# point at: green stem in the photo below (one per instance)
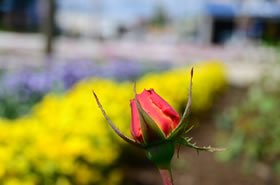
(166, 176)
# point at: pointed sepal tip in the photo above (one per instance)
(117, 131)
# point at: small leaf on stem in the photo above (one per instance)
(186, 142)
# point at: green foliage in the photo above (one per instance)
(160, 17)
(251, 130)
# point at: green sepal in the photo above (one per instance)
(117, 131)
(150, 130)
(180, 129)
(187, 142)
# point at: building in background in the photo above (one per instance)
(247, 19)
(20, 15)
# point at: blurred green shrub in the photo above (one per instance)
(66, 139)
(251, 129)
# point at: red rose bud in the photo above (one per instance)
(159, 112)
(156, 127)
(155, 122)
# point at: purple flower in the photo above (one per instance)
(29, 85)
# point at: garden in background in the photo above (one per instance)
(60, 135)
(54, 54)
(52, 131)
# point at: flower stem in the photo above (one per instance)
(166, 176)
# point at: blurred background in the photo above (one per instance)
(54, 53)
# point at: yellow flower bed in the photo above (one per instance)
(66, 139)
(209, 79)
